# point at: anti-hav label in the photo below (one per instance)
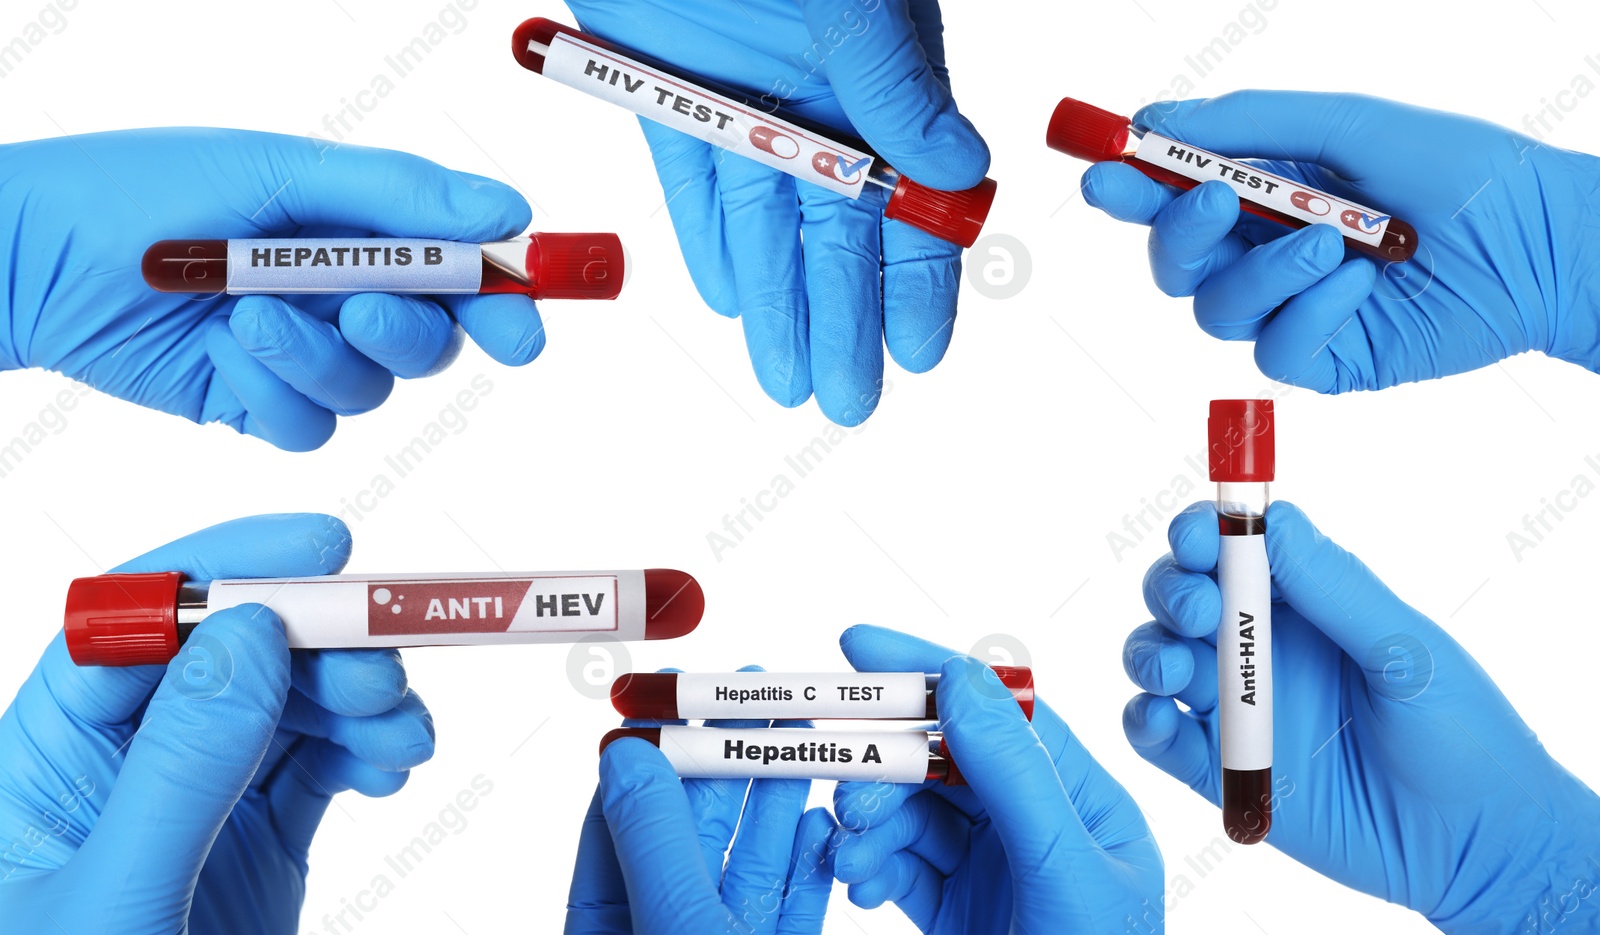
(796, 753)
(1272, 191)
(337, 266)
(784, 695)
(704, 115)
(1244, 653)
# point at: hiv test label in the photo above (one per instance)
(1244, 653)
(782, 695)
(402, 610)
(797, 753)
(690, 109)
(336, 266)
(1271, 191)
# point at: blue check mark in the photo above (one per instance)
(848, 169)
(1373, 221)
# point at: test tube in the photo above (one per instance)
(1241, 436)
(904, 756)
(794, 696)
(143, 619)
(1090, 133)
(543, 266)
(733, 121)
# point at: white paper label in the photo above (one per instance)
(796, 753)
(706, 115)
(346, 611)
(787, 695)
(1271, 191)
(1244, 653)
(433, 267)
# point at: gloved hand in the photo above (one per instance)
(183, 798)
(81, 211)
(1041, 840)
(1400, 769)
(667, 846)
(816, 319)
(1506, 231)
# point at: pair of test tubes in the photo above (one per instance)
(876, 755)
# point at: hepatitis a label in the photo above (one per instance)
(704, 115)
(1283, 195)
(798, 753)
(434, 267)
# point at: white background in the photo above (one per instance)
(977, 501)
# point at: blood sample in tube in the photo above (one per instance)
(725, 117)
(143, 619)
(669, 696)
(543, 266)
(1090, 133)
(1241, 434)
(902, 756)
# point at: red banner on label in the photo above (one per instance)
(415, 608)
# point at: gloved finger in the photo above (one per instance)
(718, 803)
(1192, 238)
(843, 260)
(805, 900)
(921, 280)
(352, 682)
(201, 739)
(509, 328)
(1195, 538)
(309, 355)
(1236, 302)
(1301, 345)
(1009, 769)
(688, 171)
(1125, 193)
(284, 544)
(758, 863)
(885, 79)
(1162, 663)
(879, 649)
(927, 826)
(1342, 132)
(390, 193)
(598, 898)
(309, 774)
(1175, 742)
(762, 215)
(909, 882)
(654, 833)
(860, 806)
(1187, 603)
(408, 336)
(1338, 594)
(273, 410)
(395, 740)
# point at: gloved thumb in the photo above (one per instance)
(200, 742)
(656, 839)
(1342, 597)
(886, 67)
(1009, 769)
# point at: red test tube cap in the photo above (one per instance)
(1240, 441)
(123, 620)
(576, 266)
(1086, 132)
(954, 216)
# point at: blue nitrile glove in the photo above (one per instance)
(1507, 231)
(667, 846)
(183, 798)
(1042, 840)
(79, 213)
(816, 319)
(1399, 768)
